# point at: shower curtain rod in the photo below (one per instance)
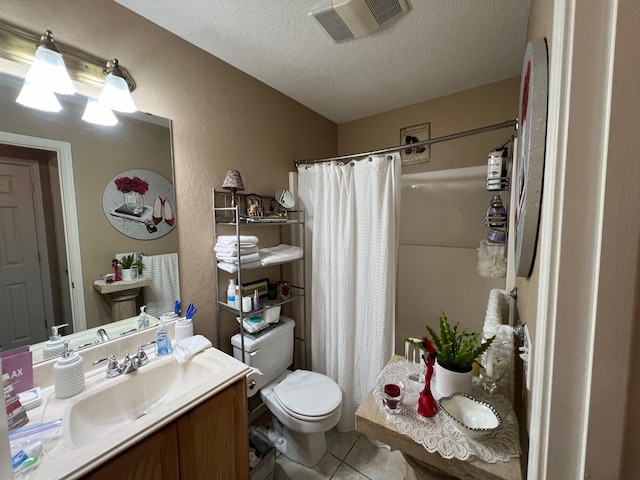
(453, 136)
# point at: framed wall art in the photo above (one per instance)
(529, 161)
(415, 134)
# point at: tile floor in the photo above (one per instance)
(350, 456)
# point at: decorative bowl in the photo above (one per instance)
(474, 418)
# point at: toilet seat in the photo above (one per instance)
(307, 395)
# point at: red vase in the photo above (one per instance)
(427, 406)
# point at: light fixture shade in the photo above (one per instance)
(233, 181)
(39, 97)
(115, 95)
(48, 71)
(98, 114)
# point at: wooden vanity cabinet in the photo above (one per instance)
(209, 442)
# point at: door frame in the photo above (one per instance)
(69, 216)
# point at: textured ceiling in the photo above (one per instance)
(439, 47)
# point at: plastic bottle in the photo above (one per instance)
(231, 293)
(163, 342)
(256, 300)
(496, 214)
(238, 297)
(143, 319)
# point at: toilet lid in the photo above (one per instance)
(308, 393)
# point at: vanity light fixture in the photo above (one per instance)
(47, 75)
(115, 93)
(233, 182)
(16, 45)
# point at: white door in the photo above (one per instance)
(22, 310)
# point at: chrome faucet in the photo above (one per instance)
(102, 333)
(128, 365)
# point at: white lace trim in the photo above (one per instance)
(439, 434)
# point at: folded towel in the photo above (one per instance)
(245, 240)
(281, 253)
(188, 347)
(251, 257)
(233, 267)
(232, 250)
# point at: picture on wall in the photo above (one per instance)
(140, 204)
(415, 134)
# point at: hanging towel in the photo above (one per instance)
(281, 253)
(160, 297)
(245, 240)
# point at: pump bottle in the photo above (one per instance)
(55, 345)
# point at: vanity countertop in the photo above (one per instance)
(64, 459)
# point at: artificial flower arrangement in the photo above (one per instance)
(135, 184)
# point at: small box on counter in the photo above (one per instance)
(17, 364)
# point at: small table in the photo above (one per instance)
(371, 421)
(122, 295)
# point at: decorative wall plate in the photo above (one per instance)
(529, 167)
(140, 204)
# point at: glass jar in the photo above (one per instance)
(284, 290)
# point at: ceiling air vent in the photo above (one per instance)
(347, 19)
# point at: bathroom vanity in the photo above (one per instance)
(162, 421)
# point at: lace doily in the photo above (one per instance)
(438, 433)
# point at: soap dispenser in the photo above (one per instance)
(143, 319)
(163, 342)
(68, 373)
(55, 345)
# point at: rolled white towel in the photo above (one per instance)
(188, 347)
(245, 240)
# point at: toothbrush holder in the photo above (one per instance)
(184, 329)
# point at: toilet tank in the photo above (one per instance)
(270, 352)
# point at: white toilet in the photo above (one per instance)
(304, 404)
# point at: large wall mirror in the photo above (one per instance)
(67, 163)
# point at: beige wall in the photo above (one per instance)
(222, 119)
(475, 108)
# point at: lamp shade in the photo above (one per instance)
(233, 181)
(34, 96)
(98, 114)
(115, 94)
(48, 71)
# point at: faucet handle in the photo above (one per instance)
(142, 356)
(113, 369)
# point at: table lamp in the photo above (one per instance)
(233, 182)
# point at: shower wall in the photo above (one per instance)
(441, 227)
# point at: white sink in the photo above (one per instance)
(115, 403)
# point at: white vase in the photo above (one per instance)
(449, 382)
(127, 274)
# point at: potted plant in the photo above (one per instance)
(127, 263)
(456, 353)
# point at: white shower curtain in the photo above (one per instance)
(352, 213)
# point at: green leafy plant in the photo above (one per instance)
(129, 261)
(456, 351)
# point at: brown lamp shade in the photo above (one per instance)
(233, 181)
